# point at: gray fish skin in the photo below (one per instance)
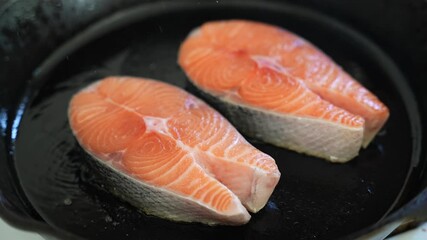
(330, 141)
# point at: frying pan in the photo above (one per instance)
(51, 49)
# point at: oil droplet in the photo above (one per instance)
(272, 206)
(370, 190)
(108, 218)
(68, 201)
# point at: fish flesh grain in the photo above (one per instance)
(275, 86)
(169, 153)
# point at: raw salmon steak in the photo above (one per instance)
(275, 86)
(170, 154)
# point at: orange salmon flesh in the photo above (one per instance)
(176, 157)
(265, 67)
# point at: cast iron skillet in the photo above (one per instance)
(313, 200)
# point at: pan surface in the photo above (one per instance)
(313, 200)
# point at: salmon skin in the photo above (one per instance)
(277, 87)
(170, 154)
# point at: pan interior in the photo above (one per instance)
(313, 200)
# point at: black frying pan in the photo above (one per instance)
(313, 200)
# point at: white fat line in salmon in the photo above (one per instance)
(159, 125)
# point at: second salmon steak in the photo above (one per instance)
(276, 86)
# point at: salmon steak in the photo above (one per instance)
(275, 86)
(170, 154)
